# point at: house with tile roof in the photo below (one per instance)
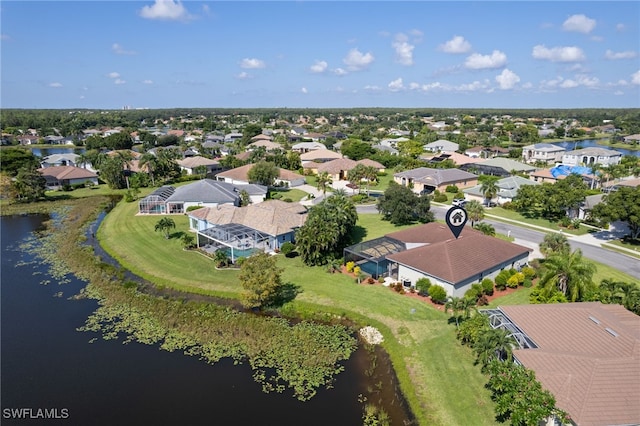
(319, 156)
(242, 231)
(202, 193)
(441, 145)
(499, 166)
(68, 159)
(190, 164)
(431, 251)
(424, 180)
(240, 175)
(507, 190)
(545, 152)
(586, 354)
(339, 169)
(59, 176)
(303, 147)
(591, 156)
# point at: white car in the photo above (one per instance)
(458, 202)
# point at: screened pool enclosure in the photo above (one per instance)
(371, 256)
(156, 202)
(235, 239)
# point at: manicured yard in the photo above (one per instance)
(436, 373)
(292, 194)
(499, 212)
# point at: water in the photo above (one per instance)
(589, 143)
(47, 364)
(44, 152)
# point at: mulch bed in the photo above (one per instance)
(495, 295)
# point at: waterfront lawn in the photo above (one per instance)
(437, 374)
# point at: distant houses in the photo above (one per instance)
(240, 175)
(543, 152)
(591, 157)
(58, 177)
(424, 180)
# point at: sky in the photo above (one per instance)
(319, 54)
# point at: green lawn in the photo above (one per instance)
(431, 366)
(499, 212)
(292, 194)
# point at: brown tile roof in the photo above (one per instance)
(67, 172)
(273, 217)
(593, 373)
(370, 163)
(428, 233)
(336, 166)
(241, 174)
(456, 260)
(320, 154)
(196, 161)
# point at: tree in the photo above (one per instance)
(489, 188)
(457, 305)
(29, 184)
(323, 181)
(571, 274)
(554, 243)
(356, 150)
(245, 198)
(261, 281)
(623, 205)
(475, 210)
(164, 225)
(401, 206)
(493, 344)
(13, 159)
(188, 241)
(264, 173)
(112, 172)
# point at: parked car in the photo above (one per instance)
(458, 202)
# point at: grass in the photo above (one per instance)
(431, 366)
(370, 226)
(293, 194)
(500, 213)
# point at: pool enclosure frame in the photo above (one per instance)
(156, 202)
(239, 239)
(374, 251)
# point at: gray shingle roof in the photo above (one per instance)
(436, 176)
(212, 191)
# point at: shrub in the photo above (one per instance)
(350, 266)
(66, 187)
(440, 198)
(459, 195)
(451, 189)
(512, 282)
(528, 272)
(381, 279)
(370, 280)
(192, 208)
(240, 260)
(287, 200)
(357, 271)
(287, 247)
(398, 287)
(438, 294)
(487, 286)
(474, 293)
(527, 283)
(565, 222)
(423, 285)
(508, 206)
(501, 279)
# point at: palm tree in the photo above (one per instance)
(475, 210)
(164, 225)
(489, 188)
(457, 305)
(150, 162)
(570, 274)
(554, 242)
(494, 343)
(486, 229)
(323, 181)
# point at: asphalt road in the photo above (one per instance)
(624, 263)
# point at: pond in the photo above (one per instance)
(590, 143)
(47, 364)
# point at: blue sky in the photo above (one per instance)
(320, 54)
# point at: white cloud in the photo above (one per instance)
(474, 87)
(243, 76)
(569, 83)
(396, 85)
(497, 59)
(456, 45)
(252, 63)
(507, 79)
(372, 88)
(55, 84)
(618, 93)
(113, 75)
(119, 50)
(357, 61)
(304, 90)
(119, 81)
(166, 10)
(620, 27)
(404, 50)
(635, 77)
(527, 85)
(628, 54)
(579, 23)
(4, 37)
(417, 35)
(558, 54)
(340, 71)
(206, 10)
(319, 67)
(147, 81)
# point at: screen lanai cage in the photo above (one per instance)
(156, 202)
(234, 239)
(371, 256)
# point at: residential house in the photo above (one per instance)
(591, 156)
(441, 145)
(190, 164)
(303, 147)
(240, 175)
(267, 144)
(232, 137)
(631, 139)
(424, 180)
(60, 176)
(385, 148)
(507, 190)
(204, 193)
(242, 231)
(319, 156)
(339, 169)
(431, 251)
(474, 152)
(586, 354)
(544, 152)
(588, 204)
(458, 159)
(69, 159)
(499, 166)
